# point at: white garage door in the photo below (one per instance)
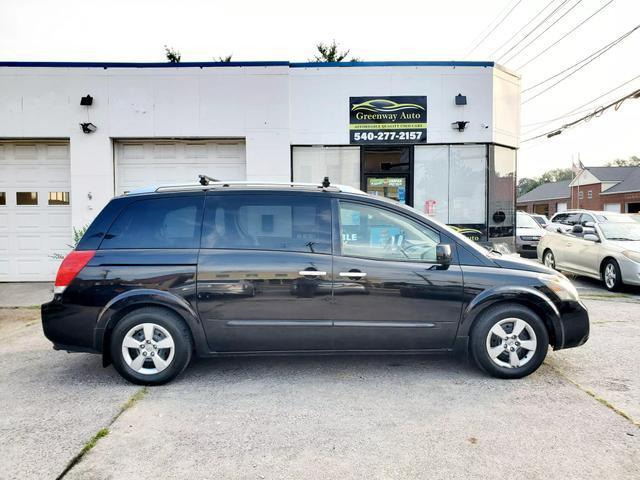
(612, 207)
(159, 162)
(35, 216)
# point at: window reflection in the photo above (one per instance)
(58, 198)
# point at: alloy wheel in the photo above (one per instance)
(511, 343)
(549, 260)
(148, 348)
(610, 275)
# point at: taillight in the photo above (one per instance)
(70, 267)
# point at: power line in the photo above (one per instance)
(521, 29)
(594, 114)
(534, 29)
(543, 32)
(494, 27)
(547, 48)
(578, 109)
(587, 60)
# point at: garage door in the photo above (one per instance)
(35, 216)
(612, 207)
(154, 162)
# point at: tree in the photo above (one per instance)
(556, 175)
(632, 161)
(331, 53)
(226, 59)
(526, 185)
(172, 55)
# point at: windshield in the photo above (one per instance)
(628, 231)
(542, 221)
(525, 221)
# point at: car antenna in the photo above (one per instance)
(204, 180)
(326, 183)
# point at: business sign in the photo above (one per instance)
(383, 120)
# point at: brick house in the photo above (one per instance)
(546, 199)
(615, 189)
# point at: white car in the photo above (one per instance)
(564, 221)
(540, 219)
(607, 248)
(528, 234)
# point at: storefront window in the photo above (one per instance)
(431, 181)
(340, 164)
(502, 184)
(467, 184)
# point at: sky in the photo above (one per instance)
(137, 30)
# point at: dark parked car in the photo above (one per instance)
(236, 268)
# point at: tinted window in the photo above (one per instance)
(158, 223)
(572, 219)
(586, 218)
(373, 232)
(559, 218)
(295, 223)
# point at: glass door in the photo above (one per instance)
(387, 172)
(394, 187)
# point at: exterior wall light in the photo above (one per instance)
(86, 100)
(88, 127)
(461, 99)
(460, 126)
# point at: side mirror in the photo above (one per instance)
(592, 237)
(577, 229)
(443, 254)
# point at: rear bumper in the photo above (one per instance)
(68, 326)
(574, 321)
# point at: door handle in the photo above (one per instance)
(311, 273)
(353, 274)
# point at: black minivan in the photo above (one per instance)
(245, 268)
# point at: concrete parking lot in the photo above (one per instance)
(324, 417)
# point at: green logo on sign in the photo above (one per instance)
(380, 105)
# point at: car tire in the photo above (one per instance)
(151, 346)
(549, 259)
(502, 352)
(611, 275)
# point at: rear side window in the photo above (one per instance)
(157, 223)
(294, 223)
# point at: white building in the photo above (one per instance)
(281, 121)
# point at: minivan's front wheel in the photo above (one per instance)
(509, 341)
(150, 346)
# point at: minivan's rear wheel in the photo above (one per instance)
(549, 260)
(150, 346)
(611, 275)
(509, 341)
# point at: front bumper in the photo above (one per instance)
(574, 322)
(527, 247)
(629, 270)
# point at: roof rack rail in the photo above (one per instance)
(210, 183)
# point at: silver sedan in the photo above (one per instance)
(607, 249)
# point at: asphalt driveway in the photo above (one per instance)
(325, 417)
